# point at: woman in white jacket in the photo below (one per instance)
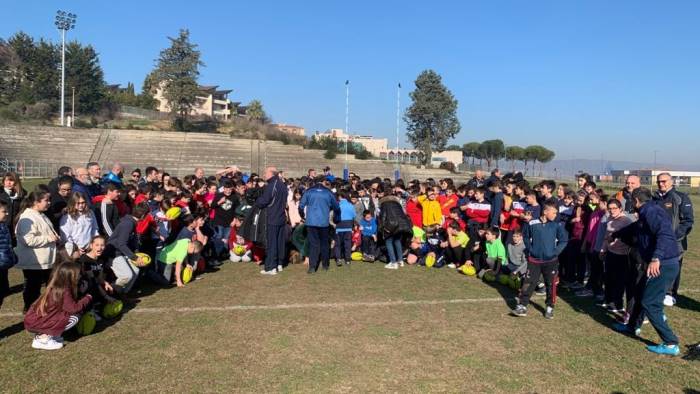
(36, 245)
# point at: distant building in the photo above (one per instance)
(210, 102)
(414, 156)
(290, 129)
(648, 177)
(373, 145)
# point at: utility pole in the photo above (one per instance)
(64, 22)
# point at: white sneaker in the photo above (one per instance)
(451, 265)
(392, 266)
(669, 300)
(46, 342)
(401, 263)
(279, 268)
(270, 272)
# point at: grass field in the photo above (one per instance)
(353, 329)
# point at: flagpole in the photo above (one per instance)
(346, 172)
(397, 171)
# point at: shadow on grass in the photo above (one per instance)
(587, 306)
(12, 330)
(688, 303)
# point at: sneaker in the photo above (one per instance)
(541, 292)
(549, 313)
(668, 350)
(610, 307)
(624, 318)
(451, 265)
(600, 298)
(401, 263)
(576, 286)
(46, 342)
(392, 266)
(280, 268)
(339, 263)
(669, 300)
(584, 293)
(520, 311)
(347, 262)
(270, 272)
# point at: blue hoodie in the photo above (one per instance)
(369, 227)
(347, 216)
(319, 202)
(656, 239)
(544, 242)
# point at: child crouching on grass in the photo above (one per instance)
(176, 254)
(92, 263)
(58, 309)
(368, 226)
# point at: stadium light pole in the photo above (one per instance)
(346, 171)
(397, 171)
(64, 22)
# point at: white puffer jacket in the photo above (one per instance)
(34, 248)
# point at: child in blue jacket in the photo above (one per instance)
(7, 255)
(368, 226)
(343, 230)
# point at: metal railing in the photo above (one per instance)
(30, 168)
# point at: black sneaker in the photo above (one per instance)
(549, 313)
(541, 291)
(520, 311)
(339, 263)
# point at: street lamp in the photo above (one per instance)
(346, 171)
(64, 22)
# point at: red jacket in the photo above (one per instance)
(415, 212)
(478, 211)
(447, 203)
(449, 221)
(56, 318)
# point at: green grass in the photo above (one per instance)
(453, 347)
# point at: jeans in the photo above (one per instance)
(220, 241)
(125, 272)
(343, 245)
(653, 300)
(318, 247)
(394, 248)
(276, 243)
(33, 280)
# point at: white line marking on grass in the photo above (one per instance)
(318, 305)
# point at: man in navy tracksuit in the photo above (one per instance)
(680, 209)
(274, 201)
(544, 240)
(657, 244)
(318, 202)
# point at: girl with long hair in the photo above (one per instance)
(58, 309)
(78, 225)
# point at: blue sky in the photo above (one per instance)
(586, 78)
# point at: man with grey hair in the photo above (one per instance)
(274, 201)
(81, 183)
(679, 207)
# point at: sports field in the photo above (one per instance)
(352, 329)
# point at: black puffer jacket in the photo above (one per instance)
(392, 219)
(254, 227)
(12, 210)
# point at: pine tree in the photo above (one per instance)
(431, 120)
(177, 72)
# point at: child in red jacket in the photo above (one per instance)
(58, 309)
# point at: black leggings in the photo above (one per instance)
(4, 285)
(456, 255)
(33, 280)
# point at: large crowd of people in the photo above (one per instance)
(91, 238)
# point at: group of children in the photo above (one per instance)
(501, 225)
